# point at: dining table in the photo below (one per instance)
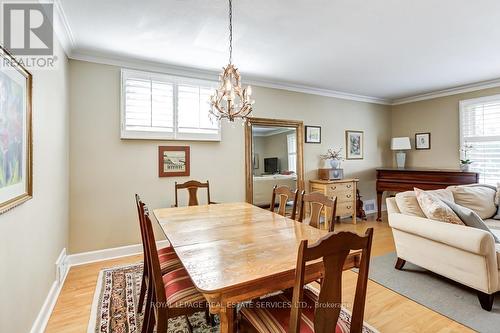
(235, 252)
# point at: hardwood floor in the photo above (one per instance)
(385, 310)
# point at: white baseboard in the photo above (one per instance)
(63, 264)
(107, 254)
(50, 301)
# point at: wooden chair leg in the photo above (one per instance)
(148, 311)
(142, 293)
(486, 300)
(400, 263)
(162, 320)
(190, 328)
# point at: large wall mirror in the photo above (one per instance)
(273, 156)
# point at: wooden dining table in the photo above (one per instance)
(236, 252)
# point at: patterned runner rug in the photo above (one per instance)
(114, 308)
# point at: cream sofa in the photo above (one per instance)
(461, 253)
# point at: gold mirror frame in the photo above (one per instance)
(297, 125)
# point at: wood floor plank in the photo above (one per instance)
(385, 310)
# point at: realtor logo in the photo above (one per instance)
(28, 28)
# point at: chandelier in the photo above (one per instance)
(230, 101)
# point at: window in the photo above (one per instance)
(164, 107)
(292, 152)
(480, 131)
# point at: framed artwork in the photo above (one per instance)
(313, 134)
(16, 174)
(173, 161)
(354, 142)
(423, 141)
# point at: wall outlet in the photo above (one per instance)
(61, 267)
(369, 206)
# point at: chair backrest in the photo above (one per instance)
(153, 262)
(317, 202)
(284, 194)
(140, 212)
(192, 186)
(333, 248)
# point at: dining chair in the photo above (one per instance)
(307, 310)
(317, 202)
(172, 294)
(167, 256)
(192, 187)
(284, 194)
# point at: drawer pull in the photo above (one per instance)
(348, 195)
(349, 186)
(334, 188)
(349, 207)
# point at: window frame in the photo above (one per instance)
(463, 105)
(289, 155)
(175, 135)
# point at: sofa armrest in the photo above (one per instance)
(462, 237)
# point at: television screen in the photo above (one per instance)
(271, 165)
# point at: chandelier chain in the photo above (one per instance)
(230, 31)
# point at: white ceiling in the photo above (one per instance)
(387, 49)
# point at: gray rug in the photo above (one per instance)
(435, 292)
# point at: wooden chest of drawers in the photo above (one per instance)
(344, 190)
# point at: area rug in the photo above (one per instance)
(114, 308)
(435, 292)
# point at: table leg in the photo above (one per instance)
(227, 323)
(379, 205)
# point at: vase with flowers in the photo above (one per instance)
(333, 157)
(465, 163)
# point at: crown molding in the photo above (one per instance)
(448, 92)
(133, 63)
(137, 64)
(61, 27)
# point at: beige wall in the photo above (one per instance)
(107, 171)
(440, 116)
(33, 234)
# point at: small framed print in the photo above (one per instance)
(423, 141)
(313, 134)
(354, 141)
(173, 161)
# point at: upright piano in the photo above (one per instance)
(400, 180)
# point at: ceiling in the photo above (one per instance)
(386, 49)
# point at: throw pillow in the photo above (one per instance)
(470, 218)
(479, 198)
(435, 209)
(408, 204)
(497, 202)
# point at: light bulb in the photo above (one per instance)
(227, 85)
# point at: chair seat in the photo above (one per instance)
(169, 262)
(272, 315)
(180, 291)
(166, 250)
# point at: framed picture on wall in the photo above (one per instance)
(173, 161)
(354, 141)
(423, 141)
(313, 134)
(16, 183)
